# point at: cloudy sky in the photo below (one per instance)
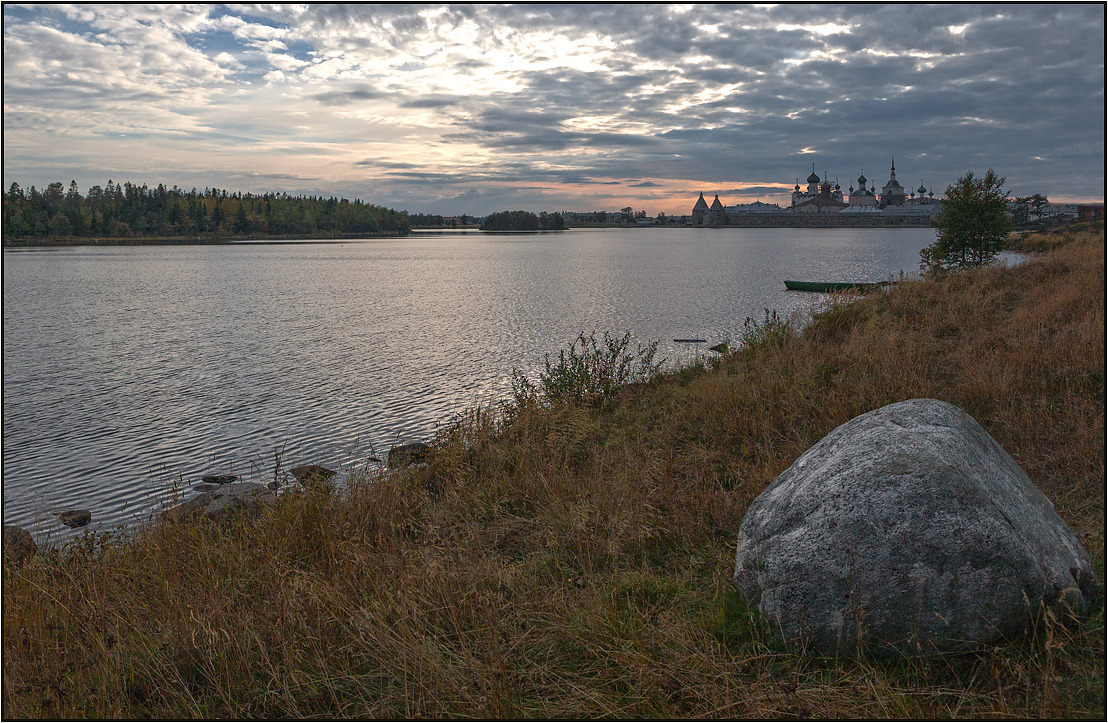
(477, 108)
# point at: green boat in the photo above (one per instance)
(826, 287)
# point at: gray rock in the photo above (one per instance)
(18, 545)
(405, 454)
(907, 530)
(219, 479)
(310, 474)
(75, 518)
(245, 499)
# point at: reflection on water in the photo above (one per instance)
(129, 371)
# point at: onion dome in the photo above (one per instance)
(813, 178)
(797, 186)
(921, 190)
(837, 184)
(862, 180)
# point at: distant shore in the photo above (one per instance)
(204, 240)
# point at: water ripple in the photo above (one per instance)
(131, 372)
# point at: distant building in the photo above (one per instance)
(705, 215)
(580, 217)
(823, 196)
(892, 194)
(813, 191)
(863, 197)
(828, 199)
(756, 207)
(1090, 211)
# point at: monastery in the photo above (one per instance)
(821, 196)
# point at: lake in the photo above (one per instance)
(129, 372)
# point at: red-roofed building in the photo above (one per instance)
(1090, 211)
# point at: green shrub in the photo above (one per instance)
(588, 371)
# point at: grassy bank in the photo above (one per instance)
(574, 560)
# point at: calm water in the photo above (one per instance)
(128, 371)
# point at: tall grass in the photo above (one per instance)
(572, 558)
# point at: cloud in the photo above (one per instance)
(560, 100)
(348, 96)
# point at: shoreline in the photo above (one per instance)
(15, 244)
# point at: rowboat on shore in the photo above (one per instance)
(826, 287)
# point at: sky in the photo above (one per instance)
(481, 108)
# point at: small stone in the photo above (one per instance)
(246, 499)
(406, 454)
(312, 474)
(220, 479)
(18, 545)
(75, 518)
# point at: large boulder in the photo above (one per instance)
(242, 499)
(18, 545)
(907, 530)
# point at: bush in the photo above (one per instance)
(588, 372)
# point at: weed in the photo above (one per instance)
(588, 372)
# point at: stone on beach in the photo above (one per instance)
(907, 530)
(246, 499)
(18, 545)
(312, 474)
(405, 454)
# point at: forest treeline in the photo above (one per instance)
(127, 211)
(523, 221)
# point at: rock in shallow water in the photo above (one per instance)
(75, 518)
(405, 454)
(907, 530)
(219, 479)
(309, 474)
(247, 499)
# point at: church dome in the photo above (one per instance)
(813, 178)
(862, 180)
(921, 190)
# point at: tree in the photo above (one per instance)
(972, 226)
(1038, 205)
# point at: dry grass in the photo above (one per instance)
(575, 561)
